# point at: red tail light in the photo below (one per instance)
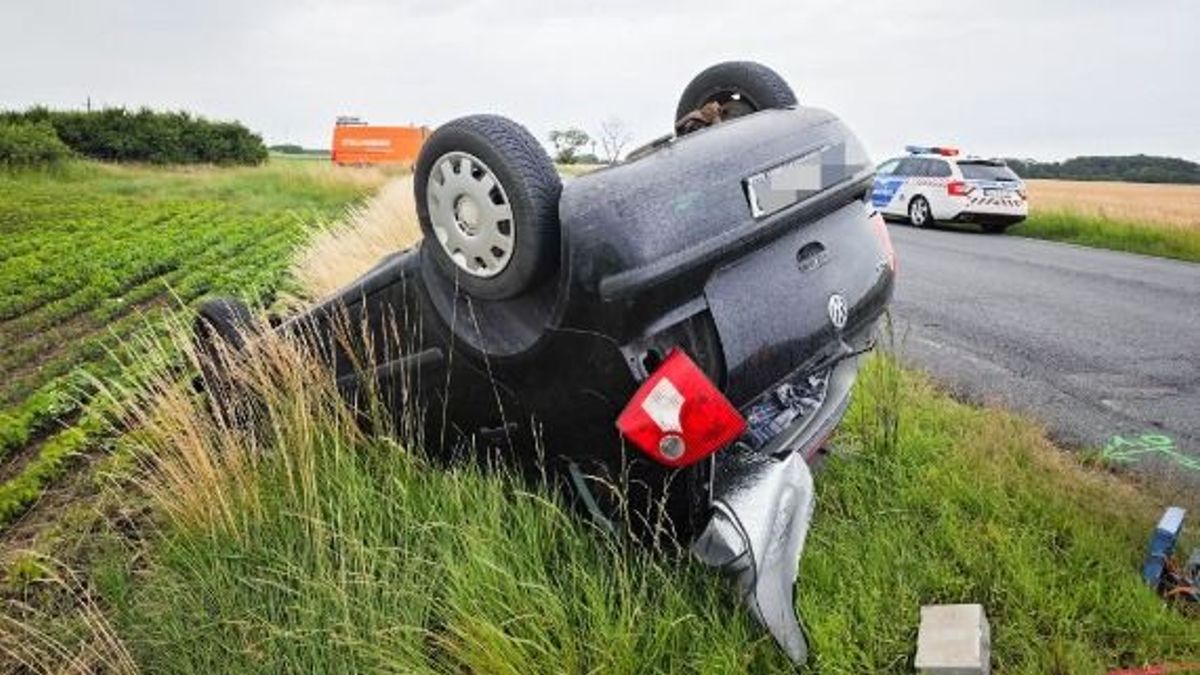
(957, 188)
(1024, 195)
(678, 416)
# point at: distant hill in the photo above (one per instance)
(1130, 169)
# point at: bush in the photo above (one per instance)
(120, 135)
(30, 144)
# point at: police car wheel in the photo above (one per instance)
(994, 228)
(919, 214)
(741, 87)
(487, 199)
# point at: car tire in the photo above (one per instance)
(919, 213)
(994, 228)
(487, 199)
(754, 84)
(221, 320)
(224, 319)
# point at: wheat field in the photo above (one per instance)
(1170, 205)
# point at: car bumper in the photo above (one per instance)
(762, 504)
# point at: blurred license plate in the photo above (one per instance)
(796, 180)
(778, 188)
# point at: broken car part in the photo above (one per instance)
(1160, 570)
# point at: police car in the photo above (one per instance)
(934, 184)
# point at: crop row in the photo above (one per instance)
(17, 493)
(56, 451)
(253, 268)
(200, 264)
(91, 262)
(68, 261)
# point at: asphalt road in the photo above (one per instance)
(1102, 347)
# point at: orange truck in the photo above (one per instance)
(356, 142)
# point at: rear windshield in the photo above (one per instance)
(986, 172)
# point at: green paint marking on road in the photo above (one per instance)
(1131, 450)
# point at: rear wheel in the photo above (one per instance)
(919, 213)
(994, 228)
(738, 87)
(224, 319)
(487, 198)
(220, 331)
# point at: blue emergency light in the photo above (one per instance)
(930, 150)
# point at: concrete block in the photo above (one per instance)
(954, 640)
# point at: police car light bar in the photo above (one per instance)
(930, 150)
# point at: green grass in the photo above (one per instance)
(1182, 243)
(974, 505)
(338, 552)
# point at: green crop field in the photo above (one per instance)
(92, 254)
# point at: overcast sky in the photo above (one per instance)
(1022, 78)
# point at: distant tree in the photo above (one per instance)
(1129, 168)
(614, 136)
(288, 149)
(567, 143)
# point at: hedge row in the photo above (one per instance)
(120, 135)
(30, 144)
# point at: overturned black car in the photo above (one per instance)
(674, 336)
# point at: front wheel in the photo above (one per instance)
(487, 198)
(919, 213)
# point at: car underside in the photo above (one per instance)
(672, 338)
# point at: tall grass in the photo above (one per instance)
(25, 646)
(295, 542)
(338, 254)
(291, 538)
(1099, 231)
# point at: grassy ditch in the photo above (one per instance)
(309, 545)
(1149, 238)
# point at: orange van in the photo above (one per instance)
(357, 143)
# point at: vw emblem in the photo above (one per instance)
(838, 310)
